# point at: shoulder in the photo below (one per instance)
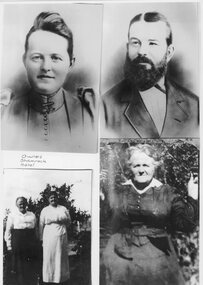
(117, 92)
(82, 100)
(44, 210)
(31, 214)
(82, 96)
(62, 208)
(14, 104)
(182, 91)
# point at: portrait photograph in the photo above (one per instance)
(149, 229)
(47, 226)
(50, 76)
(150, 72)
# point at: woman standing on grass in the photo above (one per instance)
(54, 220)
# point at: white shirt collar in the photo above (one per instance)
(153, 183)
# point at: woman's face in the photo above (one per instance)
(46, 61)
(53, 200)
(21, 205)
(142, 167)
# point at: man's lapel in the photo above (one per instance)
(176, 113)
(138, 116)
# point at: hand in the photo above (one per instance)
(193, 187)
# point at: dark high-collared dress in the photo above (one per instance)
(124, 114)
(140, 250)
(64, 122)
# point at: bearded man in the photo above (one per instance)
(147, 103)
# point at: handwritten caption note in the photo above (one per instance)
(32, 160)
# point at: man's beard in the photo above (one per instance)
(144, 76)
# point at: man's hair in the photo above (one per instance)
(153, 17)
(54, 23)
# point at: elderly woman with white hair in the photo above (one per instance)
(140, 250)
(21, 241)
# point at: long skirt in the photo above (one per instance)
(55, 258)
(138, 264)
(25, 256)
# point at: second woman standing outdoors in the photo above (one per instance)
(54, 220)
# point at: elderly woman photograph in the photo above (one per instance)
(48, 117)
(20, 237)
(139, 250)
(54, 220)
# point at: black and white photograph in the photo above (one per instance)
(50, 77)
(47, 227)
(149, 229)
(150, 75)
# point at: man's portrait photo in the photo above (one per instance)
(50, 77)
(150, 71)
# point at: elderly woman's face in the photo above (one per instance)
(21, 205)
(46, 61)
(142, 167)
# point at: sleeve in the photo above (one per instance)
(9, 227)
(41, 224)
(88, 100)
(184, 214)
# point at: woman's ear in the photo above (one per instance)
(72, 62)
(170, 52)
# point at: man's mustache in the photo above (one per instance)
(141, 59)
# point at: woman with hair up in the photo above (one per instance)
(21, 241)
(140, 250)
(49, 118)
(54, 220)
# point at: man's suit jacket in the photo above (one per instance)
(124, 114)
(72, 128)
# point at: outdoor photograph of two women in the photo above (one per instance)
(47, 227)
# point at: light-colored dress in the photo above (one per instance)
(53, 223)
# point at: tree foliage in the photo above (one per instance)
(64, 199)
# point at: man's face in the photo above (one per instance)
(46, 61)
(147, 53)
(142, 167)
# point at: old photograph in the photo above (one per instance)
(149, 231)
(50, 77)
(47, 227)
(150, 70)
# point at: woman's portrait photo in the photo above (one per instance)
(149, 212)
(47, 227)
(50, 83)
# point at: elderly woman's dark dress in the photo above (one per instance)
(140, 251)
(21, 239)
